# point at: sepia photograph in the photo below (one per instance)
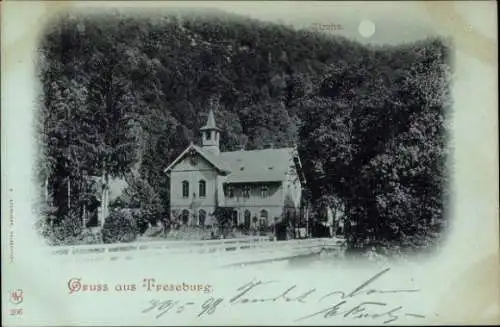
(314, 161)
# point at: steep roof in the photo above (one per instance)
(210, 122)
(215, 161)
(268, 165)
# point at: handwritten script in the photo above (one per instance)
(357, 303)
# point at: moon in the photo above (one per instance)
(366, 28)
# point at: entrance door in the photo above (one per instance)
(247, 218)
(234, 218)
(185, 216)
(201, 217)
(263, 218)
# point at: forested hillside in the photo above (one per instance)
(123, 93)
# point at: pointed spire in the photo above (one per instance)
(210, 122)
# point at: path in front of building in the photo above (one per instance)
(293, 260)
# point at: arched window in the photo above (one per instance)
(202, 188)
(202, 215)
(263, 217)
(185, 189)
(185, 216)
(248, 218)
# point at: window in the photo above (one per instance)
(208, 135)
(194, 160)
(264, 192)
(234, 218)
(246, 191)
(263, 217)
(202, 188)
(248, 219)
(230, 191)
(185, 189)
(202, 215)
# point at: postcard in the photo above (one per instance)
(249, 163)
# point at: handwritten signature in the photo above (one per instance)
(350, 304)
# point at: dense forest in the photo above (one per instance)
(123, 95)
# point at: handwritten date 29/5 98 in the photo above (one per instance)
(162, 307)
(359, 302)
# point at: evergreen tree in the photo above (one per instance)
(123, 94)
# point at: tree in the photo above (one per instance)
(124, 95)
(119, 227)
(375, 140)
(223, 217)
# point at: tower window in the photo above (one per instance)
(208, 135)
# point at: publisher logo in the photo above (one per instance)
(16, 297)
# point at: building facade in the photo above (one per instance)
(258, 187)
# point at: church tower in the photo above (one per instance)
(210, 135)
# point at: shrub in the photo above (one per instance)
(244, 229)
(141, 219)
(263, 229)
(119, 227)
(223, 218)
(223, 215)
(68, 230)
(46, 218)
(89, 237)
